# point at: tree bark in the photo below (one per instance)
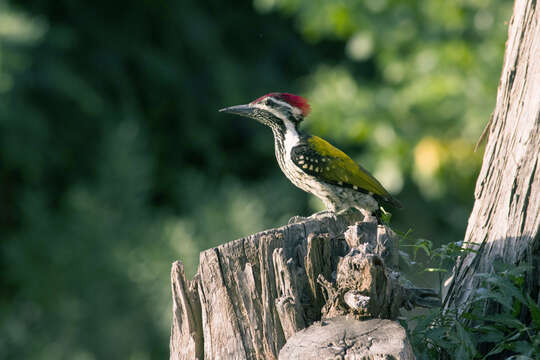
(341, 338)
(251, 295)
(505, 221)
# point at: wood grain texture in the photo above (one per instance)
(251, 295)
(505, 221)
(238, 286)
(342, 338)
(186, 328)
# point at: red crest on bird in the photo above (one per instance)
(291, 99)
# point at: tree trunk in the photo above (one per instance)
(251, 295)
(504, 224)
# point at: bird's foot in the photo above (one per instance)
(297, 219)
(323, 213)
(351, 213)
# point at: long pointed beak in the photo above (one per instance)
(242, 110)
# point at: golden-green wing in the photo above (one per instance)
(319, 158)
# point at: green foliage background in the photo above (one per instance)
(114, 161)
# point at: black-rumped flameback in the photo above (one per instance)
(311, 163)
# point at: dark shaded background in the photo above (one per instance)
(114, 161)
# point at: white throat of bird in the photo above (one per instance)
(292, 138)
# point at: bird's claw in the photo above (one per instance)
(297, 219)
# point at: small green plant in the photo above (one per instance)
(420, 256)
(491, 325)
(489, 328)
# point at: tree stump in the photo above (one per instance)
(251, 295)
(342, 338)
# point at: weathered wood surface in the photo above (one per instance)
(187, 327)
(250, 295)
(505, 221)
(342, 338)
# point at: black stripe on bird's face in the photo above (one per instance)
(282, 108)
(273, 112)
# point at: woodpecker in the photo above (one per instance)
(312, 163)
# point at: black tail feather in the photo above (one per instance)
(389, 200)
